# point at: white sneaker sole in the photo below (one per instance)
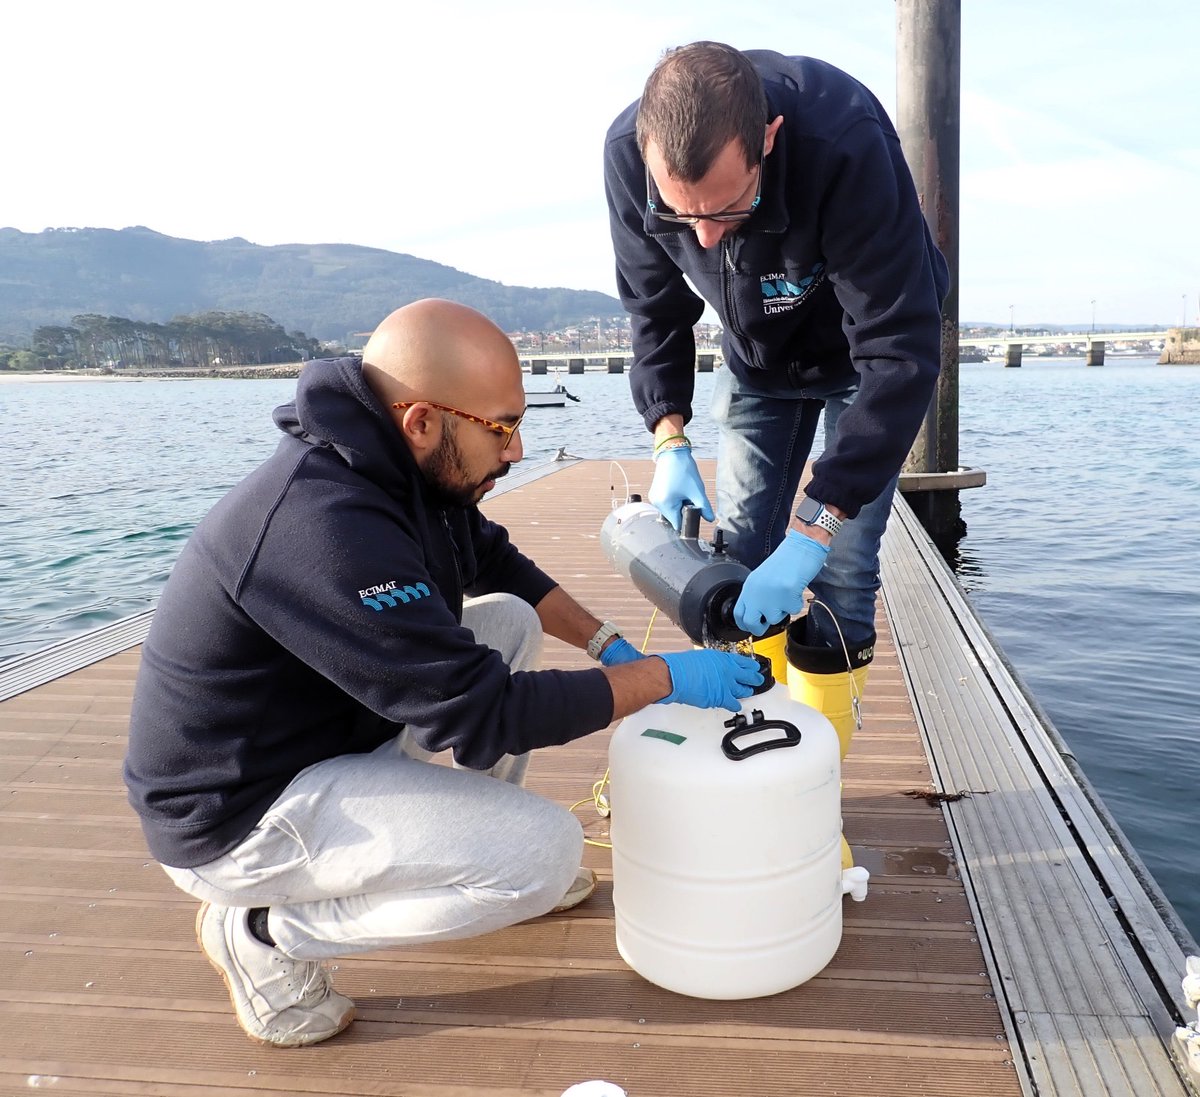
(342, 1023)
(581, 889)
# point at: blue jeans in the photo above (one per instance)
(765, 441)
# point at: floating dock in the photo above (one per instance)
(1011, 943)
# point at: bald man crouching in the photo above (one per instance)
(342, 614)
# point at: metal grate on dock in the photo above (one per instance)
(1086, 954)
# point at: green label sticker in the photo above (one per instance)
(669, 736)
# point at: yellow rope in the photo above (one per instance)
(600, 801)
(649, 629)
(599, 798)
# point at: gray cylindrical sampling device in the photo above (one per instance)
(693, 582)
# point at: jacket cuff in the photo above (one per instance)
(823, 491)
(655, 412)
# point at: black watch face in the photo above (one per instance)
(808, 511)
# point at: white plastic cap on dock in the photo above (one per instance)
(594, 1089)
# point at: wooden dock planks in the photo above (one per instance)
(107, 992)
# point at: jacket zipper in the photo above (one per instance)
(728, 270)
(454, 557)
(727, 284)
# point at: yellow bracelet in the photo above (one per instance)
(670, 449)
(671, 438)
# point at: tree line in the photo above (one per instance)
(204, 340)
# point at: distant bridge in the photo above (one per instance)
(1093, 343)
(1082, 338)
(610, 361)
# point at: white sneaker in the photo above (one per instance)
(582, 888)
(278, 1000)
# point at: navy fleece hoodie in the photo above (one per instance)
(315, 609)
(834, 275)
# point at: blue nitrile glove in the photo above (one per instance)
(620, 651)
(711, 679)
(775, 589)
(677, 481)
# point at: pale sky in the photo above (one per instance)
(470, 132)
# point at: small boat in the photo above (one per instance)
(556, 397)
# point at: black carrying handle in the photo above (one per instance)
(742, 726)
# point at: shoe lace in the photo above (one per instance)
(313, 982)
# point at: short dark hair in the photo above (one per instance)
(699, 98)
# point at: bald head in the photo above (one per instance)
(448, 364)
(441, 351)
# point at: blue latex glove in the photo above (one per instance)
(677, 481)
(775, 589)
(710, 679)
(620, 651)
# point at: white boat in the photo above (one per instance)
(556, 397)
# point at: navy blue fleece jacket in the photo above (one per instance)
(316, 609)
(834, 275)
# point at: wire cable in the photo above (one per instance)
(599, 797)
(855, 692)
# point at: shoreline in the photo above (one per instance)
(16, 376)
(246, 373)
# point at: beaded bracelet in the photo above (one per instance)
(670, 448)
(682, 439)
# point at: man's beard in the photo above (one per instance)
(448, 477)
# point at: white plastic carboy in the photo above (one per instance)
(727, 875)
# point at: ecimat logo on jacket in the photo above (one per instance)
(781, 295)
(390, 594)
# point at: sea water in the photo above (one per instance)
(1080, 553)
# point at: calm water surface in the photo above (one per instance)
(1080, 552)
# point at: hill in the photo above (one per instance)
(325, 290)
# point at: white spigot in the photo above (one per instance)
(854, 883)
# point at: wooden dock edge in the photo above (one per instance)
(25, 672)
(36, 668)
(1086, 954)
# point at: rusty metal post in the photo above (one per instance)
(928, 34)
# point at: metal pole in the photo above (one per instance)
(928, 34)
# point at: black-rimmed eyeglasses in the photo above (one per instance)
(726, 217)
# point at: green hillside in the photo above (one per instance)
(325, 290)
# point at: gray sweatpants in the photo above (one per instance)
(371, 851)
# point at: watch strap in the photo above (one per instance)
(603, 634)
(823, 518)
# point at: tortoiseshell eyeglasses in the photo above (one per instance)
(505, 430)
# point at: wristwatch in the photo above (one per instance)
(603, 634)
(812, 513)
